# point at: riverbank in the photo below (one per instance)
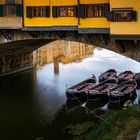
(118, 125)
(16, 71)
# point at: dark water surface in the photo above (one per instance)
(33, 103)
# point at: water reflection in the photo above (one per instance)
(35, 101)
(64, 52)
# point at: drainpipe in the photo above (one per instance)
(78, 1)
(23, 14)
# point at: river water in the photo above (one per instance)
(33, 103)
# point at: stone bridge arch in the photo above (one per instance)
(18, 42)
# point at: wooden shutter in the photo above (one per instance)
(54, 11)
(1, 11)
(75, 8)
(29, 12)
(82, 11)
(112, 16)
(47, 11)
(107, 11)
(19, 10)
(134, 15)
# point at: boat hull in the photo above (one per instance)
(76, 95)
(121, 99)
(138, 83)
(96, 96)
(94, 104)
(117, 104)
(137, 79)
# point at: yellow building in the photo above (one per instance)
(47, 14)
(125, 18)
(93, 16)
(77, 15)
(120, 18)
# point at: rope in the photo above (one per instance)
(92, 112)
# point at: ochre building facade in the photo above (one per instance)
(114, 17)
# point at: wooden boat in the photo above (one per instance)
(111, 73)
(117, 105)
(123, 92)
(97, 104)
(74, 104)
(125, 76)
(80, 90)
(101, 90)
(120, 105)
(137, 78)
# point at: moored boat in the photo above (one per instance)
(80, 90)
(137, 78)
(123, 92)
(101, 90)
(73, 104)
(97, 104)
(111, 73)
(125, 76)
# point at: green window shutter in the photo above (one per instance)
(107, 11)
(29, 12)
(1, 10)
(134, 15)
(82, 11)
(75, 8)
(47, 11)
(54, 11)
(19, 10)
(112, 16)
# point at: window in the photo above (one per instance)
(10, 1)
(10, 10)
(38, 11)
(95, 10)
(66, 11)
(124, 15)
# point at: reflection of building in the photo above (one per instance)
(55, 52)
(65, 51)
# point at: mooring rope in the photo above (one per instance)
(97, 116)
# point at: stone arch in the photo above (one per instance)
(22, 41)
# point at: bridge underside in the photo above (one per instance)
(22, 47)
(15, 42)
